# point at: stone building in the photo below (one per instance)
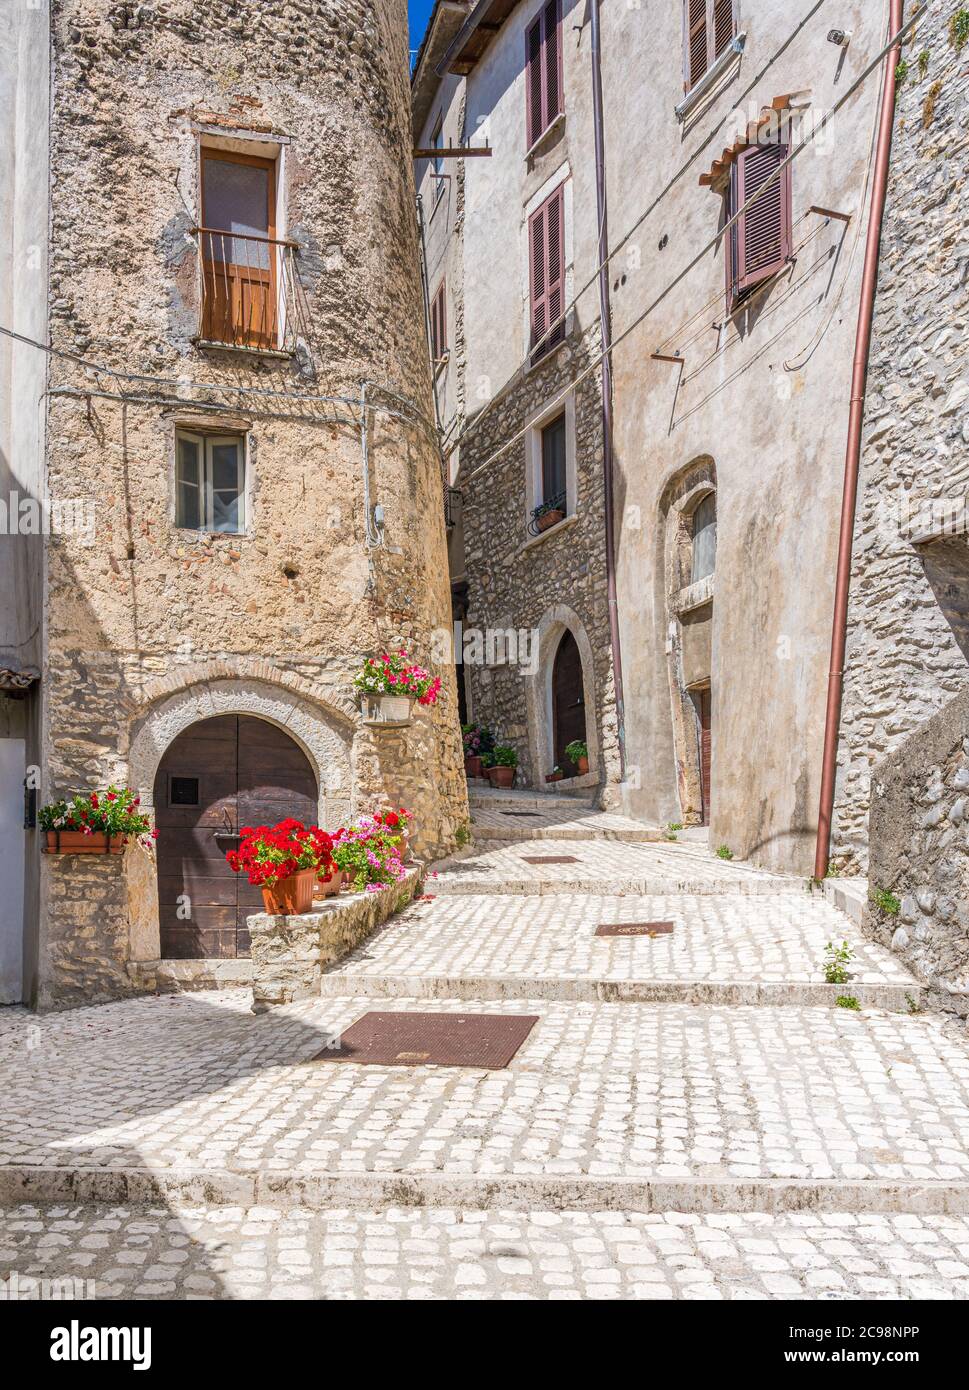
(731, 373)
(212, 223)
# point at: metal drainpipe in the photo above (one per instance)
(606, 322)
(859, 376)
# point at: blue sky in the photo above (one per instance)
(419, 11)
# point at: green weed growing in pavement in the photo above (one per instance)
(723, 852)
(847, 1001)
(836, 962)
(914, 1007)
(462, 835)
(886, 901)
(671, 829)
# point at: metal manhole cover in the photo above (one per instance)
(433, 1040)
(634, 929)
(550, 859)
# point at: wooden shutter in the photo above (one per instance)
(708, 28)
(546, 265)
(543, 71)
(761, 239)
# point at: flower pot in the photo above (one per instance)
(77, 842)
(582, 766)
(501, 776)
(331, 887)
(472, 765)
(554, 776)
(391, 709)
(549, 519)
(291, 895)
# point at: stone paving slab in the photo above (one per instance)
(601, 1096)
(603, 866)
(285, 1252)
(564, 823)
(723, 949)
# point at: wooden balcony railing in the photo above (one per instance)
(248, 291)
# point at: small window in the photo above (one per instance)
(438, 325)
(759, 243)
(543, 71)
(183, 791)
(210, 482)
(437, 143)
(709, 27)
(546, 274)
(553, 462)
(704, 529)
(242, 266)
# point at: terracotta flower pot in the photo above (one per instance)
(501, 776)
(549, 519)
(291, 895)
(332, 886)
(472, 765)
(582, 766)
(554, 776)
(77, 842)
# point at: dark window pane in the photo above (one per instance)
(553, 459)
(183, 791)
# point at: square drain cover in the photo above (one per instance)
(634, 929)
(550, 859)
(433, 1040)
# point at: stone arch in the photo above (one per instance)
(538, 695)
(323, 733)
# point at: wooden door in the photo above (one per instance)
(568, 699)
(239, 252)
(220, 774)
(704, 702)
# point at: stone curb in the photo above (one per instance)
(892, 997)
(522, 834)
(535, 1192)
(611, 887)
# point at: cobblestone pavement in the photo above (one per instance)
(599, 866)
(287, 1253)
(716, 938)
(598, 1090)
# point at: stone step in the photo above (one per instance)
(453, 886)
(895, 998)
(527, 800)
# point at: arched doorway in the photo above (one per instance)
(217, 775)
(568, 699)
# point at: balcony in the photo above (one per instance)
(249, 292)
(549, 514)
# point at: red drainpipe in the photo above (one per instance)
(859, 376)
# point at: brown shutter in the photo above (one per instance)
(533, 82)
(724, 25)
(546, 267)
(762, 245)
(438, 326)
(695, 61)
(552, 23)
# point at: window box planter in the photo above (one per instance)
(547, 520)
(76, 842)
(291, 895)
(334, 885)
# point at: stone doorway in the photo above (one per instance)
(568, 699)
(218, 775)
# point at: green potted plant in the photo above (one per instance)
(478, 742)
(555, 775)
(577, 753)
(504, 761)
(100, 823)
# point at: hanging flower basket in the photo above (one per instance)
(100, 823)
(390, 684)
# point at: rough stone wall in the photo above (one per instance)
(124, 606)
(920, 852)
(512, 587)
(907, 649)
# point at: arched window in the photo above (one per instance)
(704, 537)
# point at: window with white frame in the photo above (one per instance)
(210, 482)
(551, 472)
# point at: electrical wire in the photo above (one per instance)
(707, 247)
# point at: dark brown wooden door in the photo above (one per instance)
(704, 707)
(218, 775)
(568, 699)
